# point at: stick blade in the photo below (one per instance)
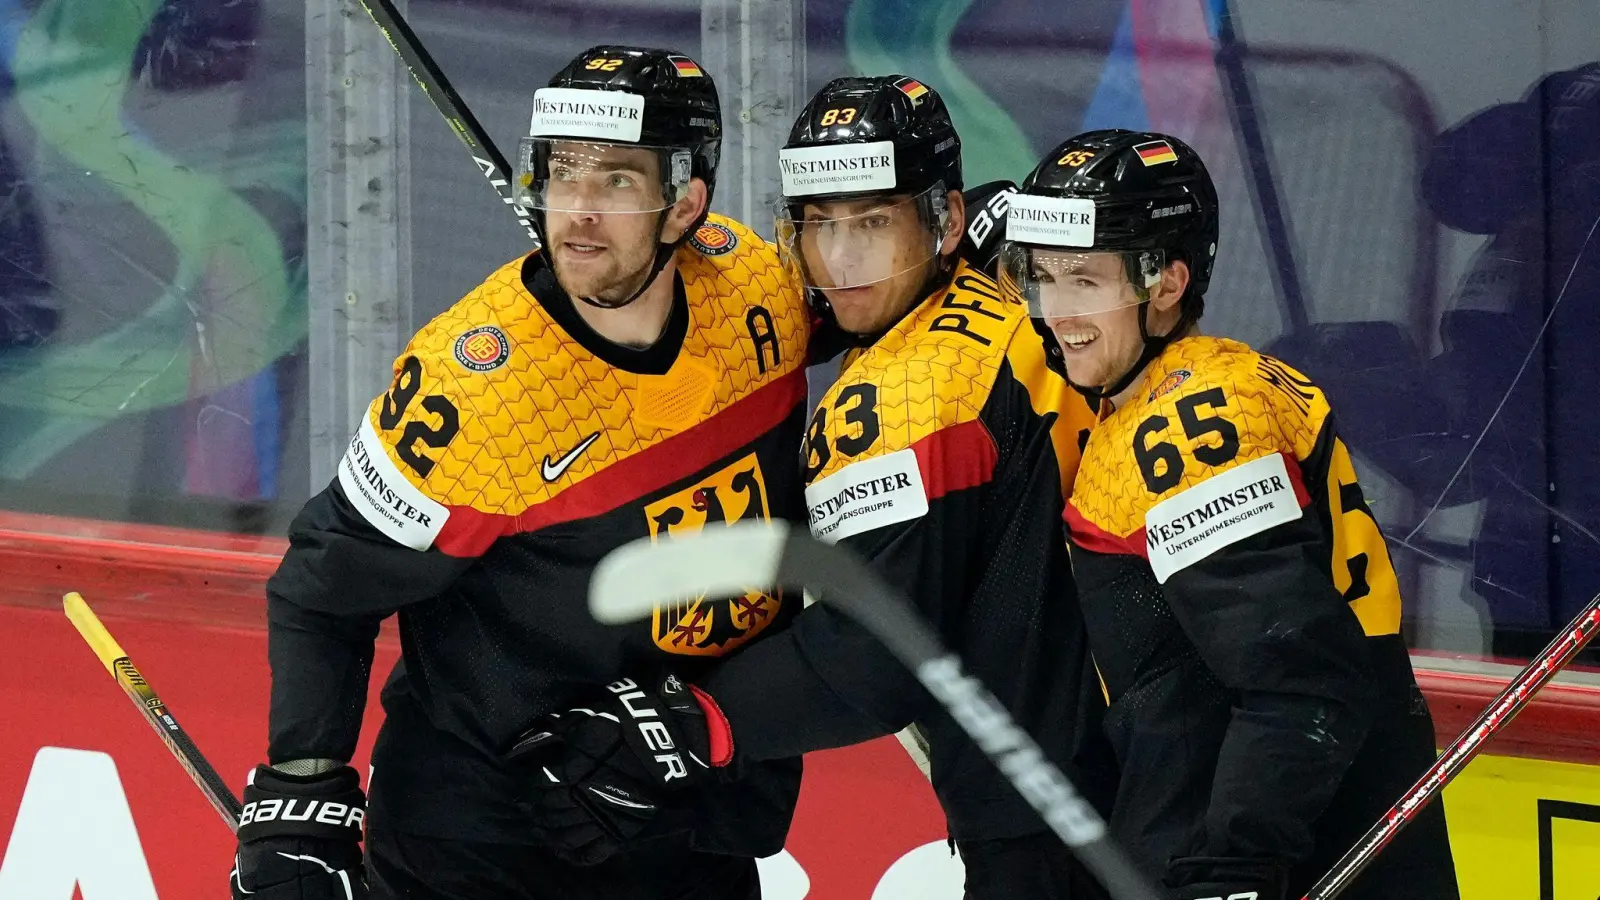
(634, 579)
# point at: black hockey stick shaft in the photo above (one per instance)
(1270, 216)
(1495, 717)
(491, 162)
(636, 578)
(153, 709)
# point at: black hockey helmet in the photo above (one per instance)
(860, 138)
(1144, 195)
(654, 99)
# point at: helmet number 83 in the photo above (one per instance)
(838, 116)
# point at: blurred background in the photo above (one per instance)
(220, 220)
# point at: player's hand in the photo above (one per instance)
(1226, 878)
(300, 837)
(597, 775)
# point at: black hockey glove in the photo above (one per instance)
(596, 776)
(300, 837)
(1224, 878)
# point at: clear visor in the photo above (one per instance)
(843, 244)
(1061, 284)
(564, 175)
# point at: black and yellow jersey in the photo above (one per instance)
(1245, 614)
(514, 449)
(942, 454)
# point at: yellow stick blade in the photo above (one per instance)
(94, 633)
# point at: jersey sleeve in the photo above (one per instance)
(419, 494)
(1241, 552)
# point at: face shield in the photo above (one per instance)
(1048, 261)
(841, 244)
(1063, 284)
(582, 155)
(569, 176)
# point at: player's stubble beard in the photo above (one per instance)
(1112, 354)
(615, 273)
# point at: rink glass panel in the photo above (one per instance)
(170, 257)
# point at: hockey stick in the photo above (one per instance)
(155, 712)
(636, 578)
(1455, 757)
(1258, 168)
(491, 162)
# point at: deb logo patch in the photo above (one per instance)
(712, 239)
(1172, 382)
(483, 349)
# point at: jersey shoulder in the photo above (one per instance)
(434, 444)
(747, 309)
(1206, 407)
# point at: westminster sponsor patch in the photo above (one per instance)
(712, 239)
(869, 494)
(837, 169)
(1051, 221)
(1222, 510)
(384, 497)
(583, 113)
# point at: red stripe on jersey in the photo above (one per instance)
(955, 458)
(469, 532)
(1090, 536)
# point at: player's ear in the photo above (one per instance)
(1174, 279)
(685, 211)
(957, 205)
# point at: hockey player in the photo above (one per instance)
(942, 454)
(642, 374)
(1239, 596)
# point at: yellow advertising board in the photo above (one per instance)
(1526, 829)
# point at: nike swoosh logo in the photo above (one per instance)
(618, 801)
(553, 470)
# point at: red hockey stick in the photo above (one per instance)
(1504, 708)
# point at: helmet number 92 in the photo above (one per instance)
(603, 65)
(1075, 158)
(838, 116)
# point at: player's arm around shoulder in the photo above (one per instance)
(731, 261)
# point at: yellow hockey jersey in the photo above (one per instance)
(942, 454)
(515, 449)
